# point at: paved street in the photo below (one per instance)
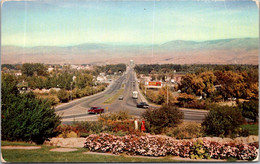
(77, 110)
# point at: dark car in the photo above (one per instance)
(120, 97)
(96, 110)
(142, 105)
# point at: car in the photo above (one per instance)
(96, 110)
(142, 105)
(121, 97)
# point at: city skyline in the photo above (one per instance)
(65, 23)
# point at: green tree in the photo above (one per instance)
(250, 109)
(83, 80)
(166, 116)
(222, 121)
(63, 95)
(24, 117)
(30, 69)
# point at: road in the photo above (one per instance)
(77, 110)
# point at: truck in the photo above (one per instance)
(135, 94)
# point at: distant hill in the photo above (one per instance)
(224, 51)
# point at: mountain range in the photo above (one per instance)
(223, 51)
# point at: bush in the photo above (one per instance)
(54, 100)
(63, 95)
(25, 118)
(85, 127)
(250, 109)
(199, 151)
(163, 117)
(53, 91)
(196, 104)
(185, 131)
(222, 121)
(121, 115)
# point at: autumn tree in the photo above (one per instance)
(192, 84)
(232, 83)
(208, 79)
(162, 96)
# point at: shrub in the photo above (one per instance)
(244, 132)
(163, 117)
(85, 127)
(26, 118)
(63, 95)
(196, 104)
(53, 92)
(54, 100)
(66, 131)
(198, 151)
(250, 109)
(185, 131)
(121, 115)
(222, 121)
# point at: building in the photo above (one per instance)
(132, 64)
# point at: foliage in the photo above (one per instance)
(30, 69)
(162, 96)
(8, 87)
(192, 84)
(222, 121)
(163, 117)
(209, 80)
(53, 99)
(185, 131)
(26, 118)
(196, 104)
(63, 95)
(83, 80)
(232, 83)
(250, 109)
(111, 68)
(198, 151)
(120, 115)
(195, 68)
(85, 127)
(186, 98)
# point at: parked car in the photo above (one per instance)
(121, 97)
(96, 110)
(142, 105)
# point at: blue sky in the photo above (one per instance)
(63, 23)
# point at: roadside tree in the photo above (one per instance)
(166, 116)
(222, 121)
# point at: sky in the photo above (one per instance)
(68, 22)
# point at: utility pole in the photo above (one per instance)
(167, 101)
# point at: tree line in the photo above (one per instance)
(191, 68)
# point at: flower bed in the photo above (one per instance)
(149, 145)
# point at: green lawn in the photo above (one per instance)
(44, 155)
(253, 129)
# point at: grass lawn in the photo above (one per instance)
(253, 129)
(44, 155)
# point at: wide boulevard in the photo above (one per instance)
(77, 110)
